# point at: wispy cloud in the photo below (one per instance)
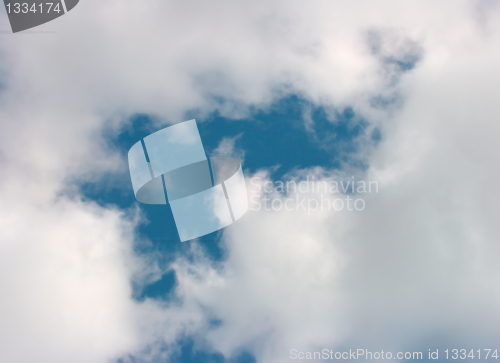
(227, 148)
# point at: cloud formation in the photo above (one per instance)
(416, 269)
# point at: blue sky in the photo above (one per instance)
(275, 139)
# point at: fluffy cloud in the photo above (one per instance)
(416, 268)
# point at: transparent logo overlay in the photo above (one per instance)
(205, 194)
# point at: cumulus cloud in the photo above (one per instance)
(416, 268)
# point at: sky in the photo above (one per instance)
(400, 94)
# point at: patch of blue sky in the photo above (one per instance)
(277, 136)
(187, 350)
(188, 353)
(161, 289)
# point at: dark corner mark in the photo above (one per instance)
(28, 14)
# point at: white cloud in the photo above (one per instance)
(419, 262)
(226, 148)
